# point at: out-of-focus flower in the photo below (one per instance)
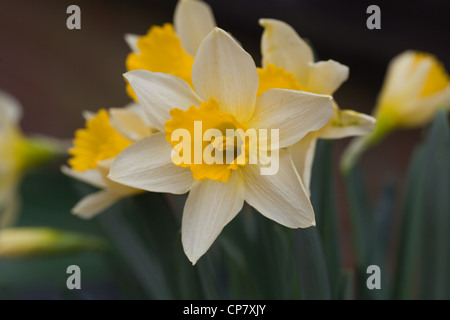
(17, 153)
(34, 242)
(225, 80)
(171, 48)
(288, 62)
(415, 88)
(106, 134)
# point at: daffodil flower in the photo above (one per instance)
(171, 48)
(17, 153)
(106, 134)
(225, 80)
(415, 88)
(288, 62)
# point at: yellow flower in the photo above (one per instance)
(226, 83)
(32, 242)
(171, 49)
(415, 88)
(106, 134)
(288, 62)
(17, 153)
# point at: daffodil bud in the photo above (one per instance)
(415, 88)
(17, 153)
(32, 242)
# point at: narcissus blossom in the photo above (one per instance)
(106, 134)
(17, 153)
(225, 82)
(415, 88)
(171, 48)
(288, 62)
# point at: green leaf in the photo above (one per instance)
(312, 270)
(382, 221)
(360, 214)
(346, 284)
(435, 253)
(143, 262)
(410, 228)
(323, 194)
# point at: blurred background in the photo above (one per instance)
(57, 73)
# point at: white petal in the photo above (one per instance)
(159, 93)
(130, 123)
(280, 197)
(398, 74)
(147, 165)
(132, 39)
(211, 205)
(93, 177)
(325, 77)
(88, 115)
(193, 20)
(95, 203)
(347, 123)
(10, 109)
(294, 113)
(282, 46)
(119, 189)
(302, 154)
(224, 71)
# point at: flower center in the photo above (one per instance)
(276, 77)
(209, 142)
(160, 50)
(98, 141)
(437, 78)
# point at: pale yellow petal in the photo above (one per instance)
(147, 165)
(95, 203)
(294, 113)
(282, 46)
(224, 71)
(303, 157)
(158, 93)
(211, 205)
(281, 197)
(193, 20)
(325, 77)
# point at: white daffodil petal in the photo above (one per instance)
(93, 177)
(294, 113)
(211, 205)
(325, 77)
(224, 71)
(399, 72)
(114, 187)
(147, 165)
(302, 154)
(131, 40)
(95, 203)
(347, 123)
(282, 46)
(129, 123)
(10, 109)
(280, 197)
(158, 93)
(193, 20)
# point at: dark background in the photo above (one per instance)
(56, 73)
